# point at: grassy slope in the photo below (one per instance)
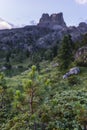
(62, 95)
(49, 70)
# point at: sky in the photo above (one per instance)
(23, 12)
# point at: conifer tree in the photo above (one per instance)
(65, 52)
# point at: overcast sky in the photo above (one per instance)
(21, 12)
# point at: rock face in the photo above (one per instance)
(54, 21)
(81, 56)
(72, 71)
(21, 38)
(80, 52)
(82, 27)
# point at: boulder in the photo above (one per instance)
(3, 68)
(81, 52)
(72, 71)
(81, 56)
(65, 76)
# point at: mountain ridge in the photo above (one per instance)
(39, 36)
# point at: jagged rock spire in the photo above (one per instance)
(52, 20)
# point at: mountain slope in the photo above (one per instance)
(28, 42)
(43, 35)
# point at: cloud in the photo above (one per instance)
(4, 24)
(81, 1)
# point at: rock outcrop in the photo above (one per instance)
(54, 21)
(82, 27)
(81, 56)
(81, 51)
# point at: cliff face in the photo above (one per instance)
(52, 21)
(81, 51)
(81, 56)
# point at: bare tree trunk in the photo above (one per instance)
(31, 101)
(35, 126)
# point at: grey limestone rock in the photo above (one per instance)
(81, 56)
(72, 71)
(54, 21)
(81, 51)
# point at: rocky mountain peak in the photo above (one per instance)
(82, 24)
(52, 21)
(58, 19)
(44, 18)
(83, 27)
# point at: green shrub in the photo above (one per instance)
(73, 80)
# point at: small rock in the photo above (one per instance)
(3, 68)
(55, 65)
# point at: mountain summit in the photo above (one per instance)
(52, 21)
(5, 25)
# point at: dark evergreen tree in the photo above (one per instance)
(8, 55)
(55, 50)
(65, 52)
(84, 40)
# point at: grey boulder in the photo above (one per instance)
(72, 71)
